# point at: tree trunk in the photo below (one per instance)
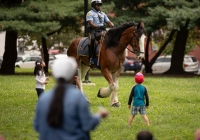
(178, 51)
(148, 64)
(162, 48)
(10, 54)
(146, 61)
(46, 54)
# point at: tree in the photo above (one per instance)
(179, 16)
(35, 16)
(10, 50)
(182, 16)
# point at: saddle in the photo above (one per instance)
(83, 49)
(98, 34)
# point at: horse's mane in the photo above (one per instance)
(113, 35)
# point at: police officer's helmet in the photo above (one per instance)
(94, 2)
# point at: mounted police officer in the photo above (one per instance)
(96, 19)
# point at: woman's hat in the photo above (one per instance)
(139, 78)
(64, 68)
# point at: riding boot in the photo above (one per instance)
(91, 50)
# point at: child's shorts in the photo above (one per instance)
(141, 109)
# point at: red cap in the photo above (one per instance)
(139, 78)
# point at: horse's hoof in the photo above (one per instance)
(86, 81)
(98, 95)
(116, 104)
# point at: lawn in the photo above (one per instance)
(174, 111)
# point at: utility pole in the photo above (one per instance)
(86, 34)
(85, 12)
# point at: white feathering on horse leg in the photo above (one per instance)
(114, 97)
(79, 78)
(105, 92)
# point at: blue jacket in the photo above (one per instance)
(77, 123)
(138, 95)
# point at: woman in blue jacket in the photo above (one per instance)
(63, 113)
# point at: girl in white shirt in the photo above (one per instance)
(40, 78)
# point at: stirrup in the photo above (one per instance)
(91, 62)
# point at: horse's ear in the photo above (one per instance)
(134, 23)
(140, 25)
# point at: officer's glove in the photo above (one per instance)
(102, 27)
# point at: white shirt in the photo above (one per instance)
(40, 80)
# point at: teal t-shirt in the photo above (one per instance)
(138, 95)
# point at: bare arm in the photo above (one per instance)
(147, 97)
(77, 82)
(110, 24)
(92, 24)
(131, 96)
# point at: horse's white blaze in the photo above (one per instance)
(141, 44)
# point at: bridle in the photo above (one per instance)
(135, 51)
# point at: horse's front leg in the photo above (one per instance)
(114, 95)
(106, 91)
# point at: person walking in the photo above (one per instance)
(41, 79)
(138, 95)
(96, 19)
(63, 112)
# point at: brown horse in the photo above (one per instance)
(111, 56)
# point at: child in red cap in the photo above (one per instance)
(138, 95)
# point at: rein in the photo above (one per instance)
(126, 47)
(134, 51)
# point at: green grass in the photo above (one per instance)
(174, 111)
(22, 71)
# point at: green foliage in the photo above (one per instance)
(108, 7)
(158, 14)
(39, 16)
(159, 37)
(193, 39)
(165, 14)
(174, 108)
(36, 18)
(65, 37)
